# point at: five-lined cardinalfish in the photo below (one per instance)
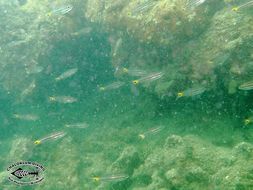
(116, 47)
(26, 117)
(66, 74)
(83, 31)
(134, 72)
(141, 8)
(62, 99)
(62, 10)
(194, 3)
(246, 86)
(243, 6)
(111, 178)
(151, 131)
(151, 77)
(28, 91)
(52, 136)
(112, 86)
(191, 92)
(82, 125)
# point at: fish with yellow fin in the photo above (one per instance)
(246, 86)
(191, 92)
(61, 10)
(149, 78)
(243, 6)
(112, 86)
(111, 178)
(134, 72)
(52, 136)
(151, 131)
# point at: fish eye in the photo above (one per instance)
(180, 94)
(246, 121)
(235, 9)
(135, 81)
(37, 142)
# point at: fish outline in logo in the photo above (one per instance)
(20, 173)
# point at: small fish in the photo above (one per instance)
(66, 74)
(245, 5)
(112, 178)
(33, 69)
(27, 117)
(83, 31)
(28, 90)
(191, 92)
(143, 7)
(149, 78)
(61, 10)
(62, 99)
(20, 173)
(246, 86)
(194, 3)
(151, 131)
(52, 136)
(77, 125)
(116, 47)
(112, 86)
(134, 72)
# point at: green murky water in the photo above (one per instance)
(118, 95)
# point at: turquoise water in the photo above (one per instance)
(142, 94)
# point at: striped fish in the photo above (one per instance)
(191, 92)
(194, 91)
(151, 77)
(52, 136)
(112, 86)
(143, 7)
(194, 3)
(245, 5)
(246, 86)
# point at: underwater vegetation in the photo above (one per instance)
(118, 95)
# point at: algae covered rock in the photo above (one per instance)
(191, 163)
(244, 150)
(162, 22)
(20, 149)
(29, 31)
(61, 171)
(128, 160)
(194, 43)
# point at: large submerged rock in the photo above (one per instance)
(191, 163)
(194, 44)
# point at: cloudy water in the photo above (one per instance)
(126, 95)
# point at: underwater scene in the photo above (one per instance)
(126, 95)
